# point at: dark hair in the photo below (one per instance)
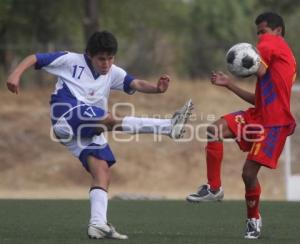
(102, 42)
(273, 20)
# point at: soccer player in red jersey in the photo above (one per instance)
(261, 130)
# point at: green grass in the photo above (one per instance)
(65, 221)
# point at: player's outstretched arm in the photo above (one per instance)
(221, 79)
(13, 80)
(147, 87)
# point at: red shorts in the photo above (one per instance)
(264, 144)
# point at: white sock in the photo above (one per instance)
(135, 125)
(98, 201)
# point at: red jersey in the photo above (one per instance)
(273, 90)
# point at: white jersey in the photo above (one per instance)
(77, 76)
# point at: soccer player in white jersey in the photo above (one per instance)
(79, 113)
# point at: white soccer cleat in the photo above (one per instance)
(205, 194)
(104, 231)
(179, 119)
(253, 228)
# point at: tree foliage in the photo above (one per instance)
(185, 37)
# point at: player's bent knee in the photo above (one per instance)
(212, 132)
(109, 122)
(248, 178)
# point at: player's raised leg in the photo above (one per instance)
(173, 128)
(98, 227)
(212, 191)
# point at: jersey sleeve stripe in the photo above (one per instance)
(127, 81)
(44, 59)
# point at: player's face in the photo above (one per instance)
(102, 62)
(263, 28)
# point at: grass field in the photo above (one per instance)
(64, 221)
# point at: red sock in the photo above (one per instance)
(214, 156)
(252, 201)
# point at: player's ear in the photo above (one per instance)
(278, 30)
(88, 54)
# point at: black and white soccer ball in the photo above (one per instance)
(242, 60)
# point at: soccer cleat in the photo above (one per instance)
(253, 228)
(104, 231)
(179, 119)
(204, 194)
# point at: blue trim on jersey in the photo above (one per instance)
(62, 95)
(271, 140)
(240, 112)
(127, 81)
(44, 59)
(102, 153)
(75, 112)
(268, 91)
(93, 71)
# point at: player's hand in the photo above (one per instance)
(163, 84)
(13, 83)
(220, 79)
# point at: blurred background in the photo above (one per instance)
(184, 38)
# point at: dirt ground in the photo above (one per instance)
(33, 166)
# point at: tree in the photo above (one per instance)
(91, 17)
(212, 30)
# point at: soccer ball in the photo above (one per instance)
(242, 60)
